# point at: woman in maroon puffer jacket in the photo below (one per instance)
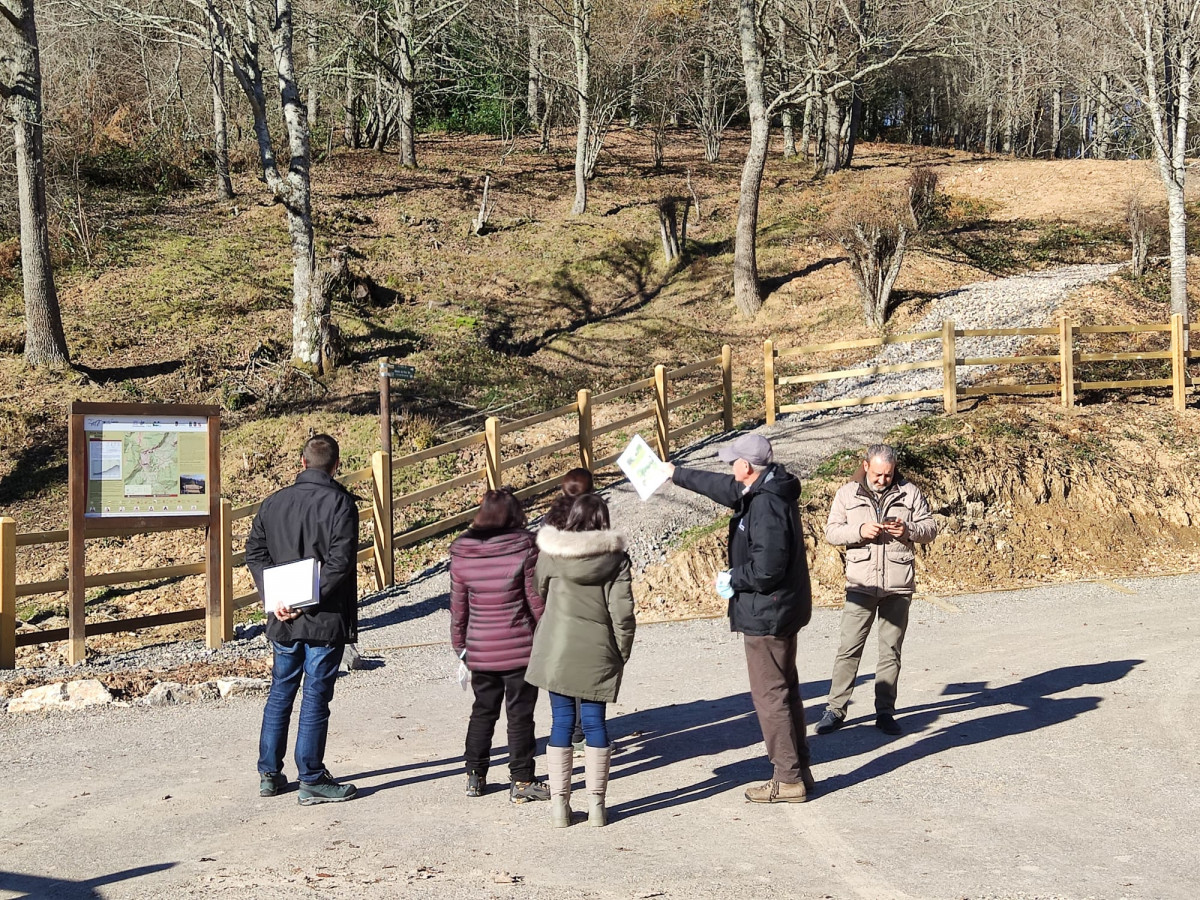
(494, 607)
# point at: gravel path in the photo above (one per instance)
(1049, 752)
(417, 611)
(1023, 301)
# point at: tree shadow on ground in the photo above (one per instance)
(379, 342)
(65, 889)
(628, 266)
(110, 374)
(775, 282)
(1038, 708)
(37, 468)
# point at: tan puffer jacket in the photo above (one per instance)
(885, 565)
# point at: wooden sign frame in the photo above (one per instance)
(81, 527)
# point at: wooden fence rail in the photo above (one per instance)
(1068, 359)
(379, 511)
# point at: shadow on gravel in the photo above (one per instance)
(455, 764)
(389, 608)
(38, 886)
(1039, 708)
(653, 738)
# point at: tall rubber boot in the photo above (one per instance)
(558, 777)
(596, 763)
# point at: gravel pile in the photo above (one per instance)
(1023, 301)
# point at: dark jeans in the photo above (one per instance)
(318, 664)
(591, 717)
(519, 699)
(775, 690)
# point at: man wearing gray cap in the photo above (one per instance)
(770, 599)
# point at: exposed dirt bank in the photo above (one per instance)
(1022, 493)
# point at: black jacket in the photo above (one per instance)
(767, 565)
(314, 518)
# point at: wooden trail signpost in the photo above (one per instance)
(136, 468)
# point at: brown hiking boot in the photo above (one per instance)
(777, 792)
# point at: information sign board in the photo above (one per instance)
(146, 466)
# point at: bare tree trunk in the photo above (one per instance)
(806, 125)
(534, 88)
(216, 73)
(747, 291)
(1056, 122)
(45, 342)
(635, 97)
(314, 95)
(1102, 119)
(832, 159)
(310, 308)
(852, 127)
(1010, 109)
(547, 118)
(988, 137)
(789, 133)
(408, 104)
(350, 124)
(581, 36)
(379, 139)
(311, 327)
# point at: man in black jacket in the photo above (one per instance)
(770, 600)
(315, 518)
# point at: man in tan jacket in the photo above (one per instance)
(878, 518)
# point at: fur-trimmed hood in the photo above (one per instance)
(579, 544)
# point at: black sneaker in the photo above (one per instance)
(476, 784)
(524, 791)
(325, 790)
(887, 723)
(271, 784)
(831, 721)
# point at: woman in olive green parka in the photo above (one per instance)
(581, 645)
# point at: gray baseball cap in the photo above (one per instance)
(753, 448)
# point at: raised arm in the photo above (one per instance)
(723, 489)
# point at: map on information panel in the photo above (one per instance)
(142, 466)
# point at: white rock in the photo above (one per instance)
(39, 698)
(206, 690)
(87, 692)
(231, 687)
(165, 693)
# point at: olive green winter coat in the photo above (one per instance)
(586, 634)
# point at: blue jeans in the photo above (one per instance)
(318, 664)
(562, 712)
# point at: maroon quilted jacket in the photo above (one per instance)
(494, 603)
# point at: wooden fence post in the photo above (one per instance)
(491, 433)
(225, 524)
(949, 369)
(8, 593)
(769, 379)
(381, 526)
(1066, 361)
(585, 429)
(1178, 362)
(727, 385)
(662, 421)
